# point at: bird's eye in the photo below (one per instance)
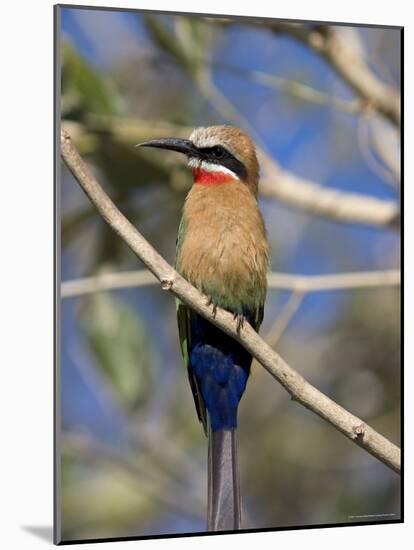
(218, 152)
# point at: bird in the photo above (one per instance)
(222, 250)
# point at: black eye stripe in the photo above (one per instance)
(220, 155)
(216, 152)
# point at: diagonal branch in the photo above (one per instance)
(299, 389)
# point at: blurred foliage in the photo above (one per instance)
(187, 43)
(86, 507)
(84, 89)
(126, 170)
(120, 345)
(151, 477)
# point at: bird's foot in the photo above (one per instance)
(239, 318)
(209, 303)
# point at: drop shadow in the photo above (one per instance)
(43, 532)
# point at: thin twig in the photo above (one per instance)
(107, 281)
(294, 88)
(299, 389)
(386, 144)
(281, 322)
(365, 144)
(277, 281)
(335, 281)
(327, 42)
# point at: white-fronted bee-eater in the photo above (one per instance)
(222, 250)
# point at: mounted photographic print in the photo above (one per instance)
(228, 290)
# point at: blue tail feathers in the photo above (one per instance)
(221, 366)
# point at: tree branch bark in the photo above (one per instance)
(331, 203)
(300, 390)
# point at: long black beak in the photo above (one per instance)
(184, 146)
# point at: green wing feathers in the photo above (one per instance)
(184, 332)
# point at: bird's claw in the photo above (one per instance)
(209, 302)
(239, 318)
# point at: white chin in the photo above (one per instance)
(210, 167)
(194, 162)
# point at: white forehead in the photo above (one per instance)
(205, 137)
(208, 137)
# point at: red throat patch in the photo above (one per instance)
(207, 177)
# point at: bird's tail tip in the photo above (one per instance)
(224, 502)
